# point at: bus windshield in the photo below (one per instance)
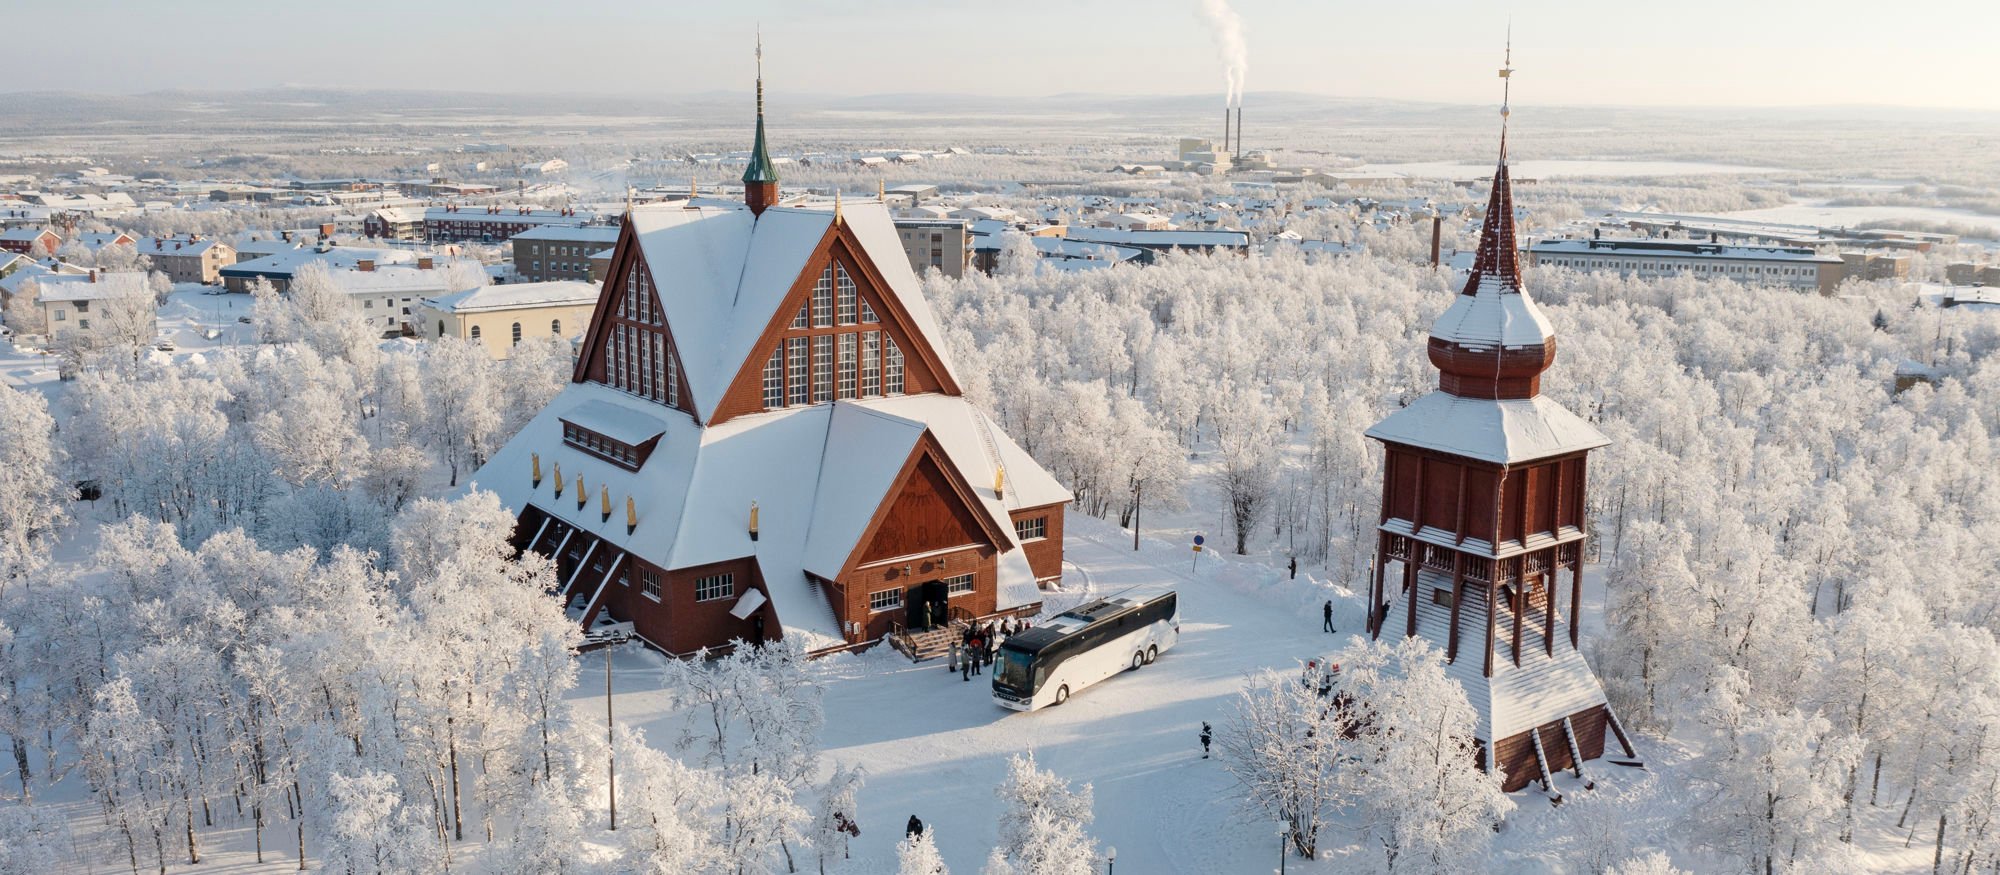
(1015, 671)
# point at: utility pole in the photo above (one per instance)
(1138, 492)
(610, 743)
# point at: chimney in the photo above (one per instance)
(366, 265)
(424, 262)
(1225, 130)
(1597, 233)
(1437, 231)
(93, 276)
(1239, 129)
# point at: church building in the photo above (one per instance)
(1483, 518)
(764, 436)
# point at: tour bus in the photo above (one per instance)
(1045, 664)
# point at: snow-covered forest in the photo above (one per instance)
(279, 615)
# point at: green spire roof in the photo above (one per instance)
(760, 169)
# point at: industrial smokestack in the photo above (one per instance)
(1239, 127)
(1437, 230)
(1225, 129)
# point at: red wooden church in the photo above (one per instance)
(764, 434)
(1482, 519)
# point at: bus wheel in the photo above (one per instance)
(1062, 694)
(1152, 653)
(1138, 659)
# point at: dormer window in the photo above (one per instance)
(612, 432)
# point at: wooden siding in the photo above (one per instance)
(1515, 755)
(1044, 556)
(924, 517)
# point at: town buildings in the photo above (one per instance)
(560, 252)
(1797, 267)
(935, 244)
(90, 309)
(190, 259)
(764, 436)
(1483, 516)
(24, 239)
(491, 224)
(394, 223)
(502, 317)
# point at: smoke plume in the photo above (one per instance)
(1227, 27)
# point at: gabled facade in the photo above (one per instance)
(1483, 518)
(763, 433)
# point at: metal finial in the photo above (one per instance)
(760, 70)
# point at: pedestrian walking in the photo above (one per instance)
(1294, 568)
(1205, 735)
(1326, 614)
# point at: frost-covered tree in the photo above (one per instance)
(918, 855)
(1287, 748)
(1418, 789)
(32, 490)
(24, 309)
(1042, 824)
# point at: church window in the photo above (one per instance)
(822, 368)
(885, 600)
(960, 585)
(846, 296)
(799, 384)
(822, 300)
(517, 334)
(774, 380)
(475, 330)
(718, 586)
(892, 369)
(649, 583)
(871, 363)
(799, 321)
(555, 327)
(846, 366)
(1031, 529)
(868, 313)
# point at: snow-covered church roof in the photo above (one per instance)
(817, 474)
(721, 272)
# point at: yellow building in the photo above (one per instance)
(501, 317)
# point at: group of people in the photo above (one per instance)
(979, 644)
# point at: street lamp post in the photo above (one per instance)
(1110, 860)
(1281, 847)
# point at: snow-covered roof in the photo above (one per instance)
(721, 273)
(1542, 689)
(1494, 314)
(1159, 239)
(517, 296)
(287, 262)
(92, 286)
(1680, 249)
(24, 234)
(1504, 432)
(817, 473)
(174, 245)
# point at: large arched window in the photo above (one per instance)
(517, 334)
(475, 332)
(555, 327)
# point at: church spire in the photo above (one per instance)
(760, 179)
(1493, 342)
(1498, 256)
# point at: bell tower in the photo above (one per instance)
(1483, 517)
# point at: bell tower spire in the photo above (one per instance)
(760, 179)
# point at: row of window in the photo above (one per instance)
(706, 589)
(835, 299)
(555, 330)
(868, 364)
(1735, 269)
(891, 599)
(617, 452)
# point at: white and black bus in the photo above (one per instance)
(1079, 647)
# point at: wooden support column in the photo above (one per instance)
(1457, 598)
(1547, 579)
(1458, 522)
(1492, 595)
(1375, 589)
(1520, 601)
(1410, 585)
(1575, 593)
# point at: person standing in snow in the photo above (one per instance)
(978, 647)
(1326, 615)
(953, 664)
(915, 828)
(1205, 736)
(1293, 568)
(965, 668)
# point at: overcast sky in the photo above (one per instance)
(1689, 52)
